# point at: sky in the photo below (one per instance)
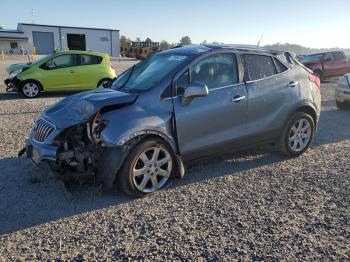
(311, 23)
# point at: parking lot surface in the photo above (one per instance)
(250, 205)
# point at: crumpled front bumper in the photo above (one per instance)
(38, 151)
(12, 84)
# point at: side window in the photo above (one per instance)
(339, 56)
(90, 60)
(279, 66)
(61, 62)
(259, 66)
(216, 71)
(328, 57)
(183, 82)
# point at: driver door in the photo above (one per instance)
(60, 73)
(212, 123)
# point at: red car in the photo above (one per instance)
(328, 64)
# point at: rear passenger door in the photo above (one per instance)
(272, 92)
(89, 72)
(211, 123)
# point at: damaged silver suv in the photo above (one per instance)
(179, 105)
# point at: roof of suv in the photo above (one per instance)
(197, 49)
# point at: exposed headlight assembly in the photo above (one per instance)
(15, 73)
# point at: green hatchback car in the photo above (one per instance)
(61, 71)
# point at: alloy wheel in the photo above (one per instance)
(30, 90)
(152, 169)
(300, 135)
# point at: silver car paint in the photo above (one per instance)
(212, 123)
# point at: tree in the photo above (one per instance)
(124, 42)
(164, 45)
(1, 27)
(148, 39)
(204, 42)
(215, 42)
(186, 40)
(138, 39)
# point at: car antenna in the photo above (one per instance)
(260, 39)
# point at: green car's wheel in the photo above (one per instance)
(30, 89)
(106, 82)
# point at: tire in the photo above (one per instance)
(319, 73)
(30, 89)
(106, 82)
(140, 175)
(343, 105)
(296, 139)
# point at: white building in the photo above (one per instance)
(47, 38)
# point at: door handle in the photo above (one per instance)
(237, 98)
(293, 84)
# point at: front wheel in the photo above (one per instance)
(297, 135)
(150, 166)
(30, 89)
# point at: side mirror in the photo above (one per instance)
(192, 91)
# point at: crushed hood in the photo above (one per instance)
(15, 67)
(80, 107)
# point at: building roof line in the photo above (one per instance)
(76, 27)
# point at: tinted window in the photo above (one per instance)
(183, 82)
(62, 62)
(311, 58)
(90, 59)
(339, 56)
(279, 66)
(259, 66)
(215, 71)
(328, 57)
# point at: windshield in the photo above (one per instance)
(311, 58)
(146, 74)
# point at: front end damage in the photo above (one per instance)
(78, 136)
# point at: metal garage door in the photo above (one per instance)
(43, 42)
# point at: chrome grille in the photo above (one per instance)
(42, 129)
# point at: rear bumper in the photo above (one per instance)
(342, 95)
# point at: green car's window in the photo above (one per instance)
(90, 59)
(62, 62)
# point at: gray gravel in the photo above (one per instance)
(251, 205)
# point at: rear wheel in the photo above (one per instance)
(30, 89)
(343, 105)
(150, 166)
(106, 82)
(297, 135)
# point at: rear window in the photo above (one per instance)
(90, 59)
(339, 56)
(259, 66)
(311, 58)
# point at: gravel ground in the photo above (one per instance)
(251, 205)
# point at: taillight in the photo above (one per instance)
(315, 79)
